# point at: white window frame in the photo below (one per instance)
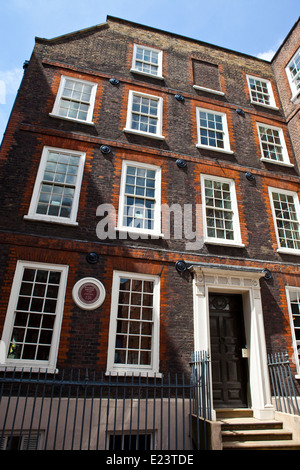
(50, 364)
(272, 104)
(224, 131)
(128, 127)
(28, 439)
(289, 291)
(286, 160)
(55, 111)
(292, 80)
(32, 215)
(294, 195)
(156, 231)
(117, 368)
(159, 64)
(237, 240)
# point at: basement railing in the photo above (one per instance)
(83, 410)
(284, 388)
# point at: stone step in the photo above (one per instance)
(256, 435)
(234, 413)
(241, 431)
(262, 445)
(240, 424)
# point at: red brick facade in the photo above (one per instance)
(97, 55)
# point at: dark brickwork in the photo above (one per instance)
(291, 109)
(97, 55)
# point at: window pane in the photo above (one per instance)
(211, 130)
(286, 220)
(219, 214)
(144, 114)
(146, 61)
(33, 327)
(138, 210)
(134, 337)
(259, 91)
(58, 185)
(76, 100)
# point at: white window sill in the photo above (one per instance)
(28, 368)
(159, 77)
(133, 372)
(276, 162)
(296, 97)
(51, 220)
(215, 149)
(144, 134)
(224, 243)
(144, 234)
(80, 121)
(264, 105)
(209, 90)
(288, 251)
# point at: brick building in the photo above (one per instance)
(150, 209)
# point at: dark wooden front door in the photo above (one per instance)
(229, 368)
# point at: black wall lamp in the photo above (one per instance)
(92, 257)
(250, 176)
(240, 112)
(180, 266)
(105, 149)
(114, 81)
(179, 97)
(180, 163)
(268, 274)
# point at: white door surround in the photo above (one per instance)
(245, 281)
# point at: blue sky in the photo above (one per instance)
(255, 27)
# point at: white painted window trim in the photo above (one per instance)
(288, 290)
(156, 232)
(128, 127)
(295, 92)
(237, 242)
(297, 207)
(49, 365)
(226, 148)
(272, 104)
(159, 75)
(113, 368)
(55, 111)
(32, 215)
(286, 160)
(209, 90)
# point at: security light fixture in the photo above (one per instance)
(179, 97)
(114, 81)
(268, 274)
(105, 149)
(240, 112)
(92, 258)
(180, 266)
(250, 176)
(181, 163)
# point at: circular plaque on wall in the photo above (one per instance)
(88, 293)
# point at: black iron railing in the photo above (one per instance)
(284, 388)
(85, 411)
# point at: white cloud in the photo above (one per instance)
(268, 55)
(2, 92)
(9, 82)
